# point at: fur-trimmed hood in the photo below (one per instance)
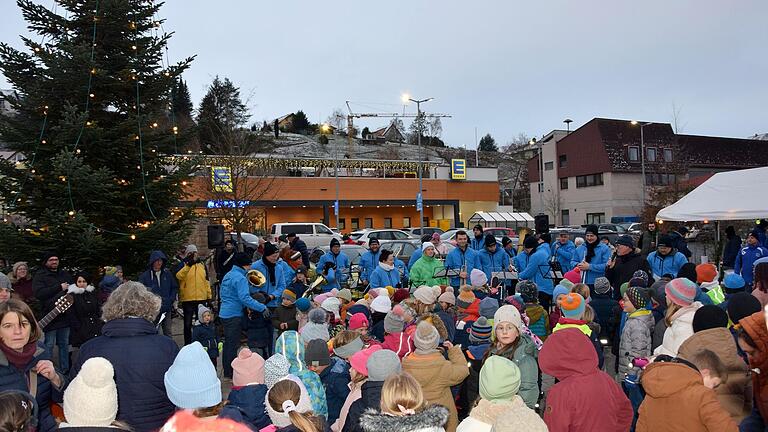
(75, 290)
(431, 419)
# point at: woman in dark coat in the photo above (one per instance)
(139, 355)
(86, 319)
(23, 361)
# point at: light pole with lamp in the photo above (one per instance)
(642, 153)
(419, 198)
(324, 128)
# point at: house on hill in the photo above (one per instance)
(380, 136)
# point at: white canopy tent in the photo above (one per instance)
(502, 219)
(731, 195)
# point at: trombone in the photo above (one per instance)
(256, 278)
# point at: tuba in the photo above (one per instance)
(256, 278)
(320, 280)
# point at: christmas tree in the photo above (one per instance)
(94, 123)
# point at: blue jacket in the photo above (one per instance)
(335, 379)
(340, 274)
(669, 264)
(206, 335)
(563, 253)
(520, 261)
(457, 259)
(382, 278)
(246, 405)
(404, 268)
(488, 263)
(288, 272)
(415, 257)
(235, 295)
(167, 287)
(746, 258)
(477, 243)
(368, 263)
(290, 345)
(14, 379)
(140, 357)
(597, 266)
(535, 269)
(275, 289)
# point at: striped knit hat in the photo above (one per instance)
(573, 306)
(637, 297)
(681, 291)
(466, 297)
(480, 332)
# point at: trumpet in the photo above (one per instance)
(256, 278)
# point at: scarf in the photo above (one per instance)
(19, 359)
(270, 269)
(386, 266)
(591, 250)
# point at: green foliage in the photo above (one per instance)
(221, 111)
(488, 143)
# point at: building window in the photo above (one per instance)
(595, 218)
(667, 155)
(369, 222)
(565, 217)
(541, 187)
(562, 161)
(342, 224)
(650, 154)
(549, 166)
(589, 180)
(634, 153)
(406, 222)
(355, 223)
(564, 183)
(426, 221)
(387, 222)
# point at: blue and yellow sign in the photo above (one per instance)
(221, 177)
(458, 169)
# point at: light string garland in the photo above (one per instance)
(139, 133)
(31, 168)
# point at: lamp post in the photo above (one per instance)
(642, 154)
(419, 196)
(336, 206)
(541, 173)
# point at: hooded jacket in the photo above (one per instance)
(681, 329)
(423, 272)
(86, 317)
(536, 268)
(458, 259)
(400, 343)
(514, 415)
(677, 400)
(431, 419)
(492, 262)
(670, 263)
(167, 287)
(246, 405)
(586, 398)
(754, 325)
(290, 345)
(745, 260)
(193, 282)
(597, 266)
(735, 395)
(635, 339)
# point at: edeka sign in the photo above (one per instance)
(213, 204)
(221, 177)
(458, 169)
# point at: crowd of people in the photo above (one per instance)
(462, 351)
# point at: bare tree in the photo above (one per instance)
(553, 204)
(337, 119)
(677, 119)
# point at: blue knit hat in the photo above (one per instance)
(191, 381)
(559, 290)
(488, 307)
(303, 304)
(734, 282)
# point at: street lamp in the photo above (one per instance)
(642, 152)
(419, 198)
(541, 173)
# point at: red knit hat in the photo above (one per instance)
(400, 295)
(574, 276)
(357, 321)
(706, 273)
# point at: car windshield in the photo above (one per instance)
(447, 235)
(355, 236)
(353, 254)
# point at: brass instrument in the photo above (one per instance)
(256, 278)
(463, 270)
(320, 280)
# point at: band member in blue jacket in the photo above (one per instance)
(591, 257)
(340, 262)
(477, 242)
(563, 250)
(462, 258)
(537, 269)
(369, 260)
(386, 274)
(492, 258)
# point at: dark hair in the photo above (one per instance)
(18, 411)
(384, 255)
(706, 359)
(761, 277)
(425, 238)
(605, 238)
(744, 335)
(461, 232)
(23, 311)
(84, 275)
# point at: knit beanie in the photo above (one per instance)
(357, 321)
(573, 306)
(333, 305)
(499, 379)
(289, 295)
(427, 245)
(623, 288)
(558, 291)
(466, 296)
(312, 331)
(642, 274)
(91, 397)
(316, 353)
(602, 285)
(477, 278)
(447, 296)
(381, 304)
(303, 304)
(709, 317)
(359, 360)
(591, 229)
(281, 418)
(426, 294)
(528, 291)
(637, 297)
(688, 271)
(638, 282)
(242, 259)
(400, 295)
(320, 298)
(530, 242)
(404, 309)
(383, 363)
(742, 305)
(275, 369)
(510, 314)
(566, 283)
(317, 316)
(733, 283)
(574, 276)
(201, 309)
(269, 249)
(426, 338)
(681, 291)
(344, 294)
(488, 307)
(480, 332)
(393, 322)
(191, 381)
(348, 350)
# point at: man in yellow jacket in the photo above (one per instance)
(194, 288)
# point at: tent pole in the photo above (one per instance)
(717, 242)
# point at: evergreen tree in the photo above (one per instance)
(300, 123)
(91, 124)
(487, 143)
(181, 102)
(221, 111)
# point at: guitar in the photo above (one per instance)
(61, 306)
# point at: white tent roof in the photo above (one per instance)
(502, 218)
(732, 195)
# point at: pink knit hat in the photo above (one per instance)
(681, 291)
(247, 368)
(359, 360)
(357, 321)
(574, 276)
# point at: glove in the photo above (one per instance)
(266, 314)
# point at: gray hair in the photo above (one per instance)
(131, 300)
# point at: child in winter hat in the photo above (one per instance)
(466, 296)
(247, 368)
(332, 305)
(316, 328)
(426, 338)
(191, 381)
(91, 397)
(680, 291)
(480, 332)
(426, 294)
(488, 307)
(381, 304)
(447, 298)
(382, 364)
(245, 402)
(573, 305)
(602, 285)
(478, 278)
(204, 332)
(395, 338)
(275, 369)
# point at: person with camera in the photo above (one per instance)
(194, 288)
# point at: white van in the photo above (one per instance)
(313, 234)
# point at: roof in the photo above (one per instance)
(501, 217)
(720, 152)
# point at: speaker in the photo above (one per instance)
(542, 223)
(215, 236)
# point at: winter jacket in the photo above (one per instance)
(731, 251)
(235, 295)
(520, 261)
(400, 343)
(206, 335)
(676, 400)
(140, 357)
(537, 270)
(583, 326)
(275, 288)
(414, 257)
(477, 243)
(597, 266)
(335, 379)
(647, 242)
(436, 376)
(538, 320)
(381, 278)
(492, 262)
(679, 243)
(370, 398)
(754, 325)
(290, 345)
(423, 272)
(586, 399)
(745, 260)
(513, 415)
(287, 315)
(735, 395)
(624, 268)
(15, 379)
(525, 357)
(288, 272)
(86, 315)
(431, 419)
(368, 263)
(47, 287)
(193, 283)
(458, 259)
(563, 253)
(666, 264)
(246, 405)
(167, 288)
(449, 321)
(341, 262)
(635, 340)
(353, 396)
(681, 329)
(298, 245)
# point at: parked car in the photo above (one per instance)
(384, 235)
(633, 227)
(403, 249)
(703, 233)
(418, 232)
(500, 232)
(313, 234)
(250, 241)
(353, 252)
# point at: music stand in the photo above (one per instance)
(449, 273)
(505, 276)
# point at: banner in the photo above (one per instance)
(221, 178)
(458, 169)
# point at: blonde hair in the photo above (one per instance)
(581, 289)
(672, 308)
(344, 337)
(402, 390)
(589, 314)
(287, 389)
(131, 300)
(12, 275)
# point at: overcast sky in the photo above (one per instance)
(503, 67)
